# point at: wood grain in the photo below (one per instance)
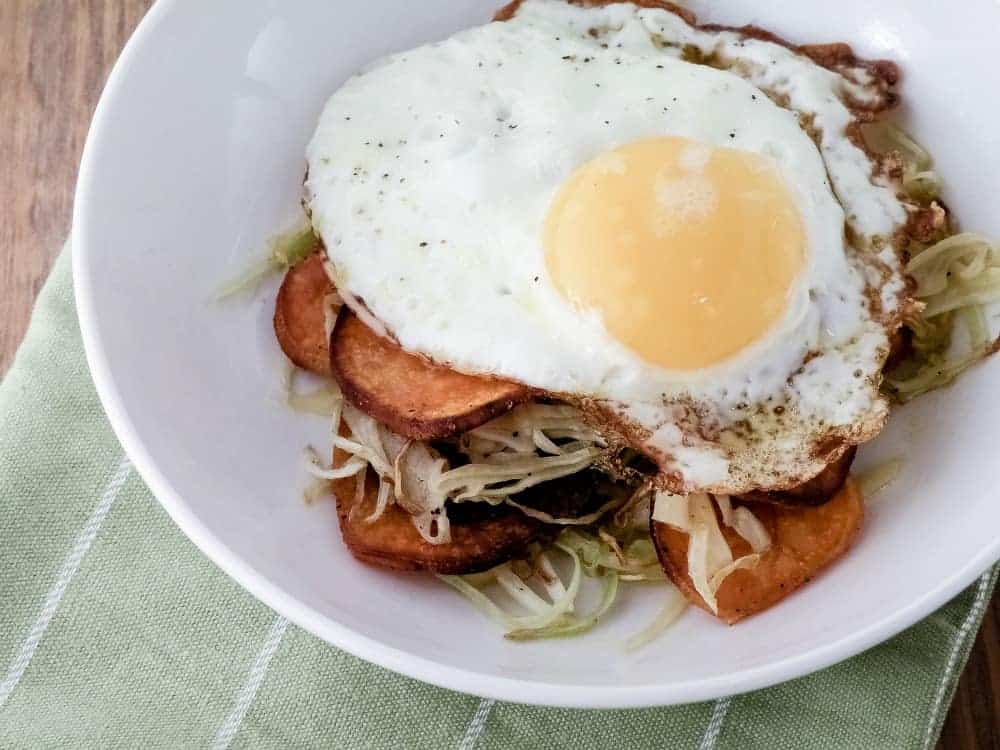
(54, 58)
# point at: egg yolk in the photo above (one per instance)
(686, 250)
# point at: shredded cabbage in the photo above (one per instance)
(530, 615)
(323, 401)
(315, 489)
(742, 520)
(326, 400)
(955, 278)
(709, 557)
(433, 526)
(419, 468)
(634, 514)
(877, 478)
(408, 472)
(316, 468)
(672, 608)
(543, 616)
(504, 473)
(584, 520)
(285, 250)
(507, 455)
(522, 429)
(633, 560)
(919, 179)
(567, 626)
(962, 271)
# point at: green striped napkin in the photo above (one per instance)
(116, 632)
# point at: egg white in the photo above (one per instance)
(431, 172)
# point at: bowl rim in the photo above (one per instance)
(463, 680)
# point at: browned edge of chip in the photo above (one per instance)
(299, 315)
(804, 540)
(820, 489)
(391, 541)
(411, 395)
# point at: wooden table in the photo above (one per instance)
(54, 58)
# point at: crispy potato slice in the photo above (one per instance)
(816, 491)
(803, 542)
(409, 394)
(480, 537)
(299, 315)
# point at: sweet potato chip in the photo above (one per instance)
(299, 315)
(803, 541)
(481, 536)
(409, 394)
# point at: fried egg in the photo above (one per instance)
(668, 225)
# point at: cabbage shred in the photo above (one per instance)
(530, 599)
(505, 457)
(709, 558)
(956, 278)
(285, 250)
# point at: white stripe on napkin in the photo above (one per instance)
(476, 726)
(963, 633)
(719, 711)
(69, 567)
(244, 698)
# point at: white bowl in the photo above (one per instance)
(195, 158)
